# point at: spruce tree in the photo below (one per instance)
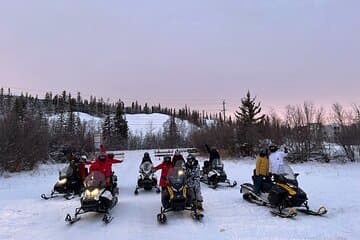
(248, 119)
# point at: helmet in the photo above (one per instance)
(263, 153)
(102, 157)
(273, 148)
(167, 159)
(190, 158)
(146, 155)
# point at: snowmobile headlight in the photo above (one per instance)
(180, 172)
(62, 181)
(92, 194)
(95, 192)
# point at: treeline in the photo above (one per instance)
(99, 107)
(28, 137)
(34, 130)
(304, 130)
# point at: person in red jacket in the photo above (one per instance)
(83, 169)
(103, 164)
(165, 166)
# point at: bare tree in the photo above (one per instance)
(305, 130)
(347, 136)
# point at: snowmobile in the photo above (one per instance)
(147, 179)
(96, 197)
(176, 197)
(215, 174)
(68, 185)
(281, 192)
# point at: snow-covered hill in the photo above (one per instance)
(139, 124)
(24, 215)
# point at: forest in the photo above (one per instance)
(28, 134)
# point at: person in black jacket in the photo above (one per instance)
(146, 158)
(213, 154)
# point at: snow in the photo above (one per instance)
(24, 215)
(139, 124)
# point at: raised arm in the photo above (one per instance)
(207, 148)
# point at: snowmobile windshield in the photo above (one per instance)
(217, 164)
(287, 171)
(96, 179)
(146, 167)
(66, 172)
(180, 164)
(176, 176)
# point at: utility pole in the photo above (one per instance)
(224, 109)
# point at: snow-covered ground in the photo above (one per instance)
(139, 124)
(24, 215)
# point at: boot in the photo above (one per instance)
(199, 205)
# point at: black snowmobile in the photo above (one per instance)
(147, 179)
(68, 185)
(281, 192)
(213, 174)
(96, 197)
(176, 197)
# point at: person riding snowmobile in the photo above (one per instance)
(261, 171)
(193, 181)
(104, 164)
(213, 154)
(178, 159)
(146, 158)
(147, 179)
(165, 167)
(276, 160)
(83, 170)
(70, 181)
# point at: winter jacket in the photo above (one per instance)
(193, 175)
(165, 168)
(102, 167)
(276, 160)
(105, 167)
(83, 169)
(262, 166)
(145, 160)
(213, 154)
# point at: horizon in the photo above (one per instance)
(281, 113)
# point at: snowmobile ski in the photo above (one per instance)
(52, 195)
(107, 218)
(197, 215)
(291, 213)
(231, 185)
(321, 211)
(71, 220)
(69, 196)
(161, 217)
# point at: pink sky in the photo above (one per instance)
(184, 52)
